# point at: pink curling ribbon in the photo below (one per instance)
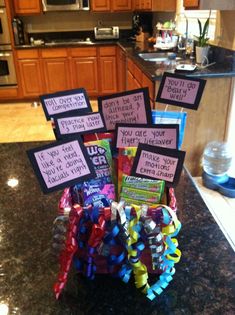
(66, 255)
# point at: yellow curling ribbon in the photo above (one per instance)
(139, 269)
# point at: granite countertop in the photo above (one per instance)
(204, 282)
(224, 66)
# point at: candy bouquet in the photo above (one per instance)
(118, 168)
(135, 234)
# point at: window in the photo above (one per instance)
(182, 16)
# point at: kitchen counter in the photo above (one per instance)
(204, 282)
(224, 66)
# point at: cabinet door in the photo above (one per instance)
(191, 3)
(101, 5)
(146, 4)
(27, 6)
(108, 74)
(57, 74)
(136, 5)
(130, 81)
(85, 74)
(122, 5)
(30, 77)
(164, 5)
(121, 70)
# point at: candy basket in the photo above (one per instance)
(119, 240)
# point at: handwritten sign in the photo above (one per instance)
(61, 164)
(158, 135)
(131, 107)
(180, 90)
(82, 124)
(158, 163)
(73, 101)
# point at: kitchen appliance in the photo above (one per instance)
(18, 31)
(4, 29)
(7, 67)
(102, 33)
(65, 5)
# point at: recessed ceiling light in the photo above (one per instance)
(4, 309)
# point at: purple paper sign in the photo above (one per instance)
(161, 135)
(131, 107)
(61, 165)
(180, 90)
(158, 163)
(79, 124)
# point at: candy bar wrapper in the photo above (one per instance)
(143, 183)
(129, 202)
(140, 195)
(125, 162)
(101, 157)
(98, 193)
(108, 136)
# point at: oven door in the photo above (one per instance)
(4, 30)
(7, 69)
(60, 5)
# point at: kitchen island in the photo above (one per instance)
(203, 284)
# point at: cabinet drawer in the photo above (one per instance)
(54, 53)
(27, 54)
(107, 51)
(83, 52)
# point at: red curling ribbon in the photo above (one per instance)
(97, 232)
(65, 201)
(172, 203)
(66, 255)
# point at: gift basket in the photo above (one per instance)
(134, 235)
(118, 168)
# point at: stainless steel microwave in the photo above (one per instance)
(65, 5)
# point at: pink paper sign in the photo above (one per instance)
(181, 90)
(80, 124)
(157, 166)
(63, 165)
(60, 104)
(130, 107)
(163, 136)
(158, 163)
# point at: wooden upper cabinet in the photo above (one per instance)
(191, 3)
(155, 5)
(111, 5)
(223, 5)
(27, 6)
(122, 5)
(100, 5)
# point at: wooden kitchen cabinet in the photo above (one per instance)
(155, 5)
(122, 5)
(111, 6)
(108, 69)
(121, 69)
(22, 7)
(101, 5)
(56, 74)
(209, 4)
(31, 83)
(56, 69)
(85, 69)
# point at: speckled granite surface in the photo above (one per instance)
(204, 282)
